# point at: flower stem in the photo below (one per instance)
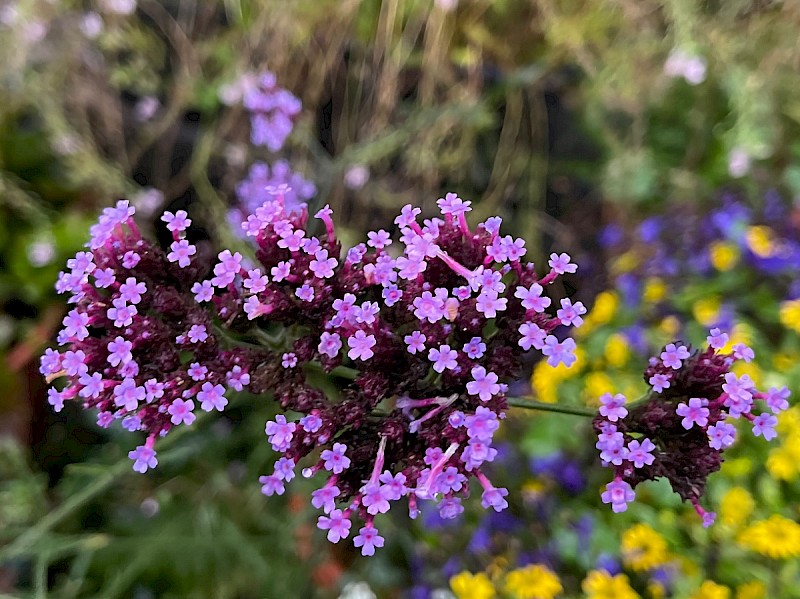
(530, 404)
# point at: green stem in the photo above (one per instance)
(530, 404)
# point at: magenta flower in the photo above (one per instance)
(569, 314)
(289, 360)
(673, 355)
(640, 453)
(721, 435)
(177, 222)
(330, 344)
(619, 494)
(532, 336)
(693, 413)
(415, 342)
(121, 313)
(379, 239)
(337, 525)
(764, 425)
(429, 306)
(322, 266)
(197, 333)
(335, 460)
(484, 384)
(131, 290)
(119, 351)
(144, 457)
(659, 382)
(305, 293)
(361, 346)
(203, 292)
(181, 412)
(181, 252)
(489, 304)
(559, 353)
(211, 397)
(443, 358)
(613, 406)
(717, 339)
(560, 263)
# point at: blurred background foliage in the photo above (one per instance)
(657, 141)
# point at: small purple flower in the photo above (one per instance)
(55, 398)
(373, 499)
(640, 453)
(366, 312)
(693, 413)
(131, 290)
(271, 485)
(484, 384)
(330, 344)
(181, 251)
(476, 453)
(237, 378)
(280, 433)
(742, 352)
(50, 362)
(103, 278)
(777, 399)
(181, 412)
(378, 239)
(289, 360)
(361, 346)
(177, 222)
(613, 406)
(284, 469)
(92, 385)
(368, 538)
(255, 282)
(197, 333)
(335, 460)
(322, 266)
(73, 362)
(532, 336)
(619, 494)
(764, 425)
(282, 270)
(153, 390)
(337, 525)
(450, 508)
(560, 263)
(324, 498)
(569, 314)
(475, 348)
(128, 395)
(558, 353)
(494, 497)
(144, 457)
(415, 342)
(305, 293)
(122, 314)
(75, 324)
(391, 294)
(673, 355)
(443, 358)
(489, 304)
(119, 351)
(429, 306)
(482, 425)
(659, 382)
(197, 371)
(130, 259)
(311, 423)
(212, 397)
(203, 292)
(721, 435)
(717, 339)
(394, 486)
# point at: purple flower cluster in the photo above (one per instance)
(272, 111)
(681, 430)
(138, 348)
(431, 332)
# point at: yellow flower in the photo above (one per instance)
(783, 362)
(723, 255)
(595, 384)
(599, 584)
(533, 582)
(654, 290)
(776, 538)
(643, 548)
(670, 326)
(603, 310)
(790, 314)
(496, 568)
(781, 464)
(706, 311)
(656, 590)
(711, 590)
(736, 506)
(616, 352)
(472, 586)
(625, 263)
(760, 240)
(739, 368)
(752, 590)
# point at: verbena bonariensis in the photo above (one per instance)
(680, 431)
(430, 334)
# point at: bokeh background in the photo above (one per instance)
(656, 141)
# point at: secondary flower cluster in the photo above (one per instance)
(430, 334)
(138, 347)
(272, 111)
(682, 429)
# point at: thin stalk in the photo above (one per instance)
(530, 404)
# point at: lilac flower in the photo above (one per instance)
(475, 348)
(640, 453)
(203, 292)
(131, 423)
(75, 325)
(337, 525)
(764, 425)
(532, 336)
(368, 538)
(560, 263)
(373, 499)
(50, 362)
(119, 351)
(131, 290)
(176, 222)
(415, 342)
(311, 423)
(104, 277)
(197, 371)
(693, 413)
(494, 497)
(558, 353)
(673, 355)
(55, 398)
(659, 382)
(305, 293)
(619, 494)
(443, 358)
(391, 294)
(330, 344)
(181, 412)
(777, 399)
(280, 433)
(131, 259)
(721, 435)
(211, 397)
(144, 457)
(569, 314)
(361, 346)
(122, 314)
(484, 384)
(284, 469)
(613, 406)
(450, 508)
(322, 266)
(366, 313)
(153, 390)
(335, 460)
(476, 453)
(394, 486)
(428, 306)
(482, 424)
(742, 352)
(489, 304)
(255, 282)
(181, 252)
(197, 333)
(128, 395)
(281, 271)
(271, 485)
(289, 360)
(378, 239)
(717, 339)
(92, 385)
(73, 362)
(325, 497)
